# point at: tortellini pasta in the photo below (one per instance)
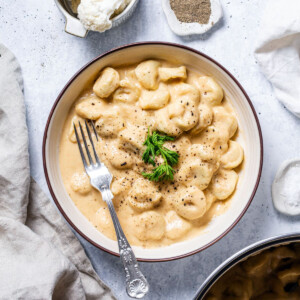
(120, 186)
(223, 183)
(259, 278)
(107, 83)
(147, 74)
(210, 198)
(205, 153)
(190, 203)
(109, 124)
(104, 222)
(149, 225)
(205, 119)
(144, 195)
(226, 120)
(183, 112)
(131, 137)
(196, 173)
(290, 275)
(211, 92)
(91, 108)
(128, 92)
(240, 288)
(166, 74)
(256, 264)
(216, 138)
(154, 99)
(176, 226)
(120, 159)
(233, 157)
(80, 183)
(165, 124)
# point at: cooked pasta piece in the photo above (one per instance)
(110, 123)
(166, 74)
(144, 195)
(176, 226)
(211, 92)
(165, 124)
(120, 186)
(223, 183)
(91, 108)
(131, 137)
(190, 203)
(149, 225)
(205, 119)
(225, 119)
(120, 159)
(128, 92)
(233, 157)
(147, 74)
(155, 99)
(196, 173)
(107, 83)
(183, 111)
(80, 183)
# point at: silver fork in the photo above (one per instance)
(100, 178)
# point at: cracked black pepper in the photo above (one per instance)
(192, 11)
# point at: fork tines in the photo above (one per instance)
(97, 161)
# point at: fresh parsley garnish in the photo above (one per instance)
(155, 148)
(160, 173)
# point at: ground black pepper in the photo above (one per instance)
(192, 11)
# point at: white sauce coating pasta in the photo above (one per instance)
(124, 103)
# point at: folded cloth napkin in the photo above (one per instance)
(40, 256)
(278, 51)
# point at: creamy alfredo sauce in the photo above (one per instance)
(125, 102)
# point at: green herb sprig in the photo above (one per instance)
(155, 148)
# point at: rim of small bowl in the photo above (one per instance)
(239, 256)
(137, 45)
(114, 19)
(125, 11)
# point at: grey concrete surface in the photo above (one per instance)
(34, 31)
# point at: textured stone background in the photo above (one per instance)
(34, 31)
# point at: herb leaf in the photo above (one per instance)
(155, 148)
(160, 173)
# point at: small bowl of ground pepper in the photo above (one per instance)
(186, 17)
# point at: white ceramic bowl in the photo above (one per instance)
(75, 27)
(250, 137)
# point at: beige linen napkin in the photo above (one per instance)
(278, 51)
(40, 257)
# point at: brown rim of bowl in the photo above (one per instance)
(143, 44)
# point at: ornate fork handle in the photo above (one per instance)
(136, 283)
(100, 178)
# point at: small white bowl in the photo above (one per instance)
(250, 137)
(181, 28)
(74, 26)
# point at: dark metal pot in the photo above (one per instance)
(243, 255)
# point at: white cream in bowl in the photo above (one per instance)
(96, 14)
